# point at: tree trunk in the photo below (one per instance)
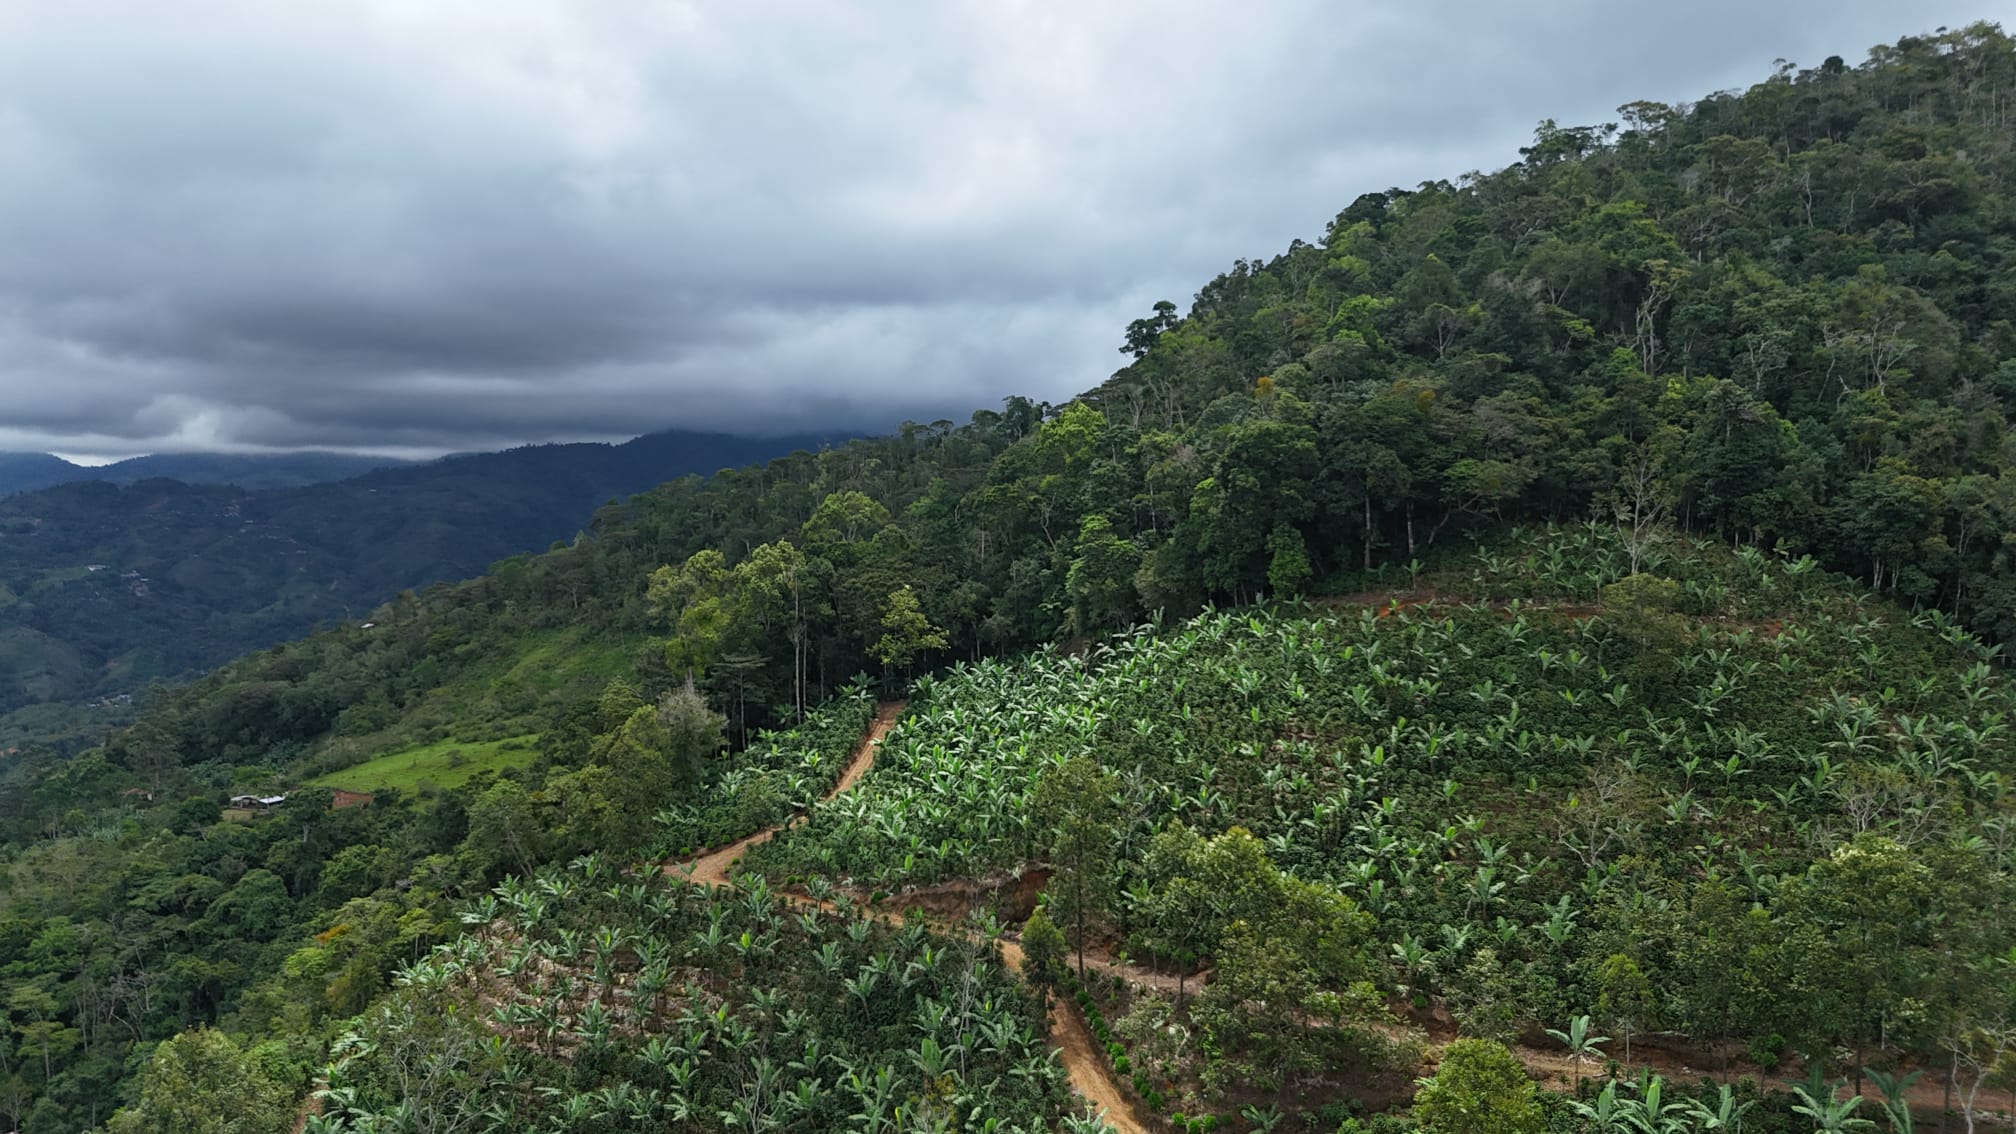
(1952, 1073)
(1368, 529)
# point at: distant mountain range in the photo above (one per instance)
(26, 472)
(109, 582)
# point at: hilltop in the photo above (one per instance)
(26, 472)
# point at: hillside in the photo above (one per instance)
(1524, 788)
(1301, 856)
(1648, 495)
(104, 588)
(27, 472)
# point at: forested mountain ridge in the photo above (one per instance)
(104, 587)
(1773, 317)
(26, 472)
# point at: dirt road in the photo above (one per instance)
(1085, 1065)
(711, 868)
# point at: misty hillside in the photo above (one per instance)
(26, 472)
(104, 586)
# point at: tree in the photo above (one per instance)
(1869, 901)
(1488, 998)
(1479, 1088)
(1143, 333)
(1043, 949)
(1074, 805)
(652, 756)
(1639, 502)
(1288, 569)
(692, 600)
(845, 520)
(1258, 1001)
(774, 581)
(906, 632)
(1100, 582)
(201, 1082)
(1624, 997)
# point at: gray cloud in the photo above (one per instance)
(415, 227)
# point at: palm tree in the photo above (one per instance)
(1088, 1123)
(1581, 1045)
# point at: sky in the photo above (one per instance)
(406, 227)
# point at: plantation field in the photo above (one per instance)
(654, 1004)
(443, 764)
(1721, 799)
(1727, 799)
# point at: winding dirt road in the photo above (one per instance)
(1084, 1062)
(711, 868)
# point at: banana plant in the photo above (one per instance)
(1724, 1117)
(1820, 1102)
(1582, 1046)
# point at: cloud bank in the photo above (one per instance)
(412, 227)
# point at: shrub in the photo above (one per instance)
(1480, 1088)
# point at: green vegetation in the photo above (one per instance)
(192, 574)
(442, 764)
(122, 924)
(769, 782)
(1607, 741)
(1703, 803)
(1480, 1089)
(588, 1001)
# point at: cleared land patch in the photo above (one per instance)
(444, 764)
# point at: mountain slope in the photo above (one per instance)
(103, 587)
(27, 472)
(1774, 318)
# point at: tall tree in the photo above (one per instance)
(1074, 804)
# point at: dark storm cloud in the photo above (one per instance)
(447, 225)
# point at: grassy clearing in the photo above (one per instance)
(445, 764)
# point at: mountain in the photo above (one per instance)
(26, 472)
(104, 587)
(1570, 599)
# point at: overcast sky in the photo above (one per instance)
(410, 226)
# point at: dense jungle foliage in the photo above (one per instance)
(1774, 318)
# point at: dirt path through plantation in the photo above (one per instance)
(1084, 1063)
(711, 868)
